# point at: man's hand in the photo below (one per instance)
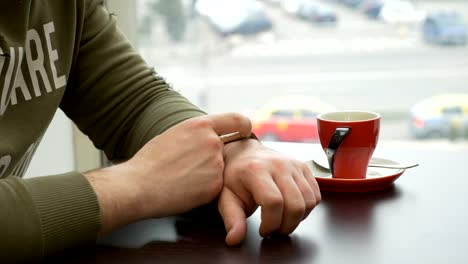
(257, 176)
(174, 172)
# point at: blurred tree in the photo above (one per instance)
(174, 17)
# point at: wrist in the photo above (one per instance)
(242, 145)
(118, 196)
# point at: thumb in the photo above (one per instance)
(231, 209)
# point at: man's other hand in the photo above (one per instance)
(255, 176)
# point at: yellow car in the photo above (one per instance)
(439, 116)
(290, 118)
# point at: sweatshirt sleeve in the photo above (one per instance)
(120, 103)
(113, 96)
(43, 215)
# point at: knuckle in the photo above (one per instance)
(253, 166)
(202, 123)
(274, 201)
(310, 204)
(278, 163)
(214, 143)
(297, 208)
(318, 198)
(240, 119)
(237, 118)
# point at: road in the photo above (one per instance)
(380, 82)
(357, 64)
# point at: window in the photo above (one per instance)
(308, 114)
(452, 110)
(236, 55)
(283, 113)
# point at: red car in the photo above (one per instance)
(290, 118)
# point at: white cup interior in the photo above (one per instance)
(349, 116)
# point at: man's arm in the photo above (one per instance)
(127, 105)
(45, 214)
(173, 173)
(119, 102)
(113, 96)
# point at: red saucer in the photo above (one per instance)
(376, 179)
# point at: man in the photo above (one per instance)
(69, 54)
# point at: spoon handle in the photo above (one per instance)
(375, 165)
(396, 166)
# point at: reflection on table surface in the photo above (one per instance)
(422, 218)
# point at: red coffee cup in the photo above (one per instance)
(349, 139)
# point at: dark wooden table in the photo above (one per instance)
(422, 218)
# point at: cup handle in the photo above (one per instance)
(334, 144)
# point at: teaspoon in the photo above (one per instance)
(373, 164)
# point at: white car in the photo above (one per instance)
(401, 12)
(235, 16)
(292, 6)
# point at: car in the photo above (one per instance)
(352, 3)
(445, 28)
(371, 8)
(317, 12)
(244, 17)
(289, 118)
(440, 116)
(401, 12)
(311, 10)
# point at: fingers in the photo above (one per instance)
(230, 122)
(232, 211)
(269, 198)
(308, 194)
(294, 205)
(286, 198)
(312, 182)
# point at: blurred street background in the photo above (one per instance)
(345, 53)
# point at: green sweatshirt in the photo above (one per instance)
(68, 54)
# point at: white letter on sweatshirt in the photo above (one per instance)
(5, 100)
(53, 56)
(19, 81)
(36, 65)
